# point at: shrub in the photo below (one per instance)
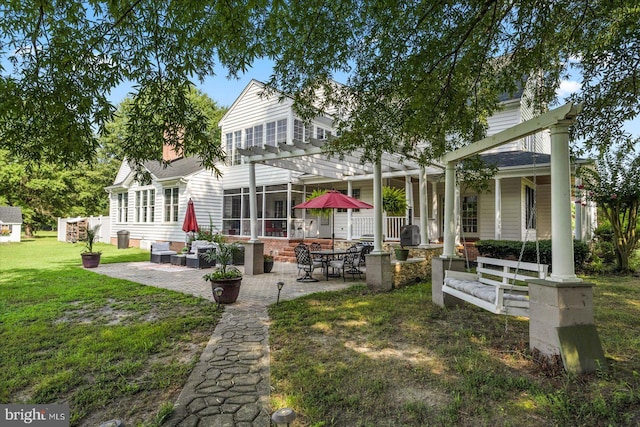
(510, 249)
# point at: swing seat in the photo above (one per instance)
(492, 286)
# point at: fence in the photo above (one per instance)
(73, 229)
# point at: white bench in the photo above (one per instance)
(492, 288)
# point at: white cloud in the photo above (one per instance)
(568, 87)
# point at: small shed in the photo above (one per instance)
(10, 224)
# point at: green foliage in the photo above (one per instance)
(324, 213)
(223, 256)
(394, 201)
(510, 249)
(428, 72)
(613, 183)
(45, 191)
(92, 237)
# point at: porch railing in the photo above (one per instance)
(391, 226)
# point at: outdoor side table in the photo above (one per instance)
(179, 259)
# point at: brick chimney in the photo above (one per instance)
(170, 153)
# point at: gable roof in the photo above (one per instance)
(10, 215)
(178, 168)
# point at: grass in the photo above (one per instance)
(110, 348)
(357, 359)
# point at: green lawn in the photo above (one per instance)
(110, 348)
(357, 359)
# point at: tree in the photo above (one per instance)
(613, 183)
(419, 72)
(46, 191)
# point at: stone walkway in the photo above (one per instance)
(230, 385)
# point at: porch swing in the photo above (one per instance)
(497, 285)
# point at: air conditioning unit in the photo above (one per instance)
(410, 235)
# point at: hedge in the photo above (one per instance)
(510, 249)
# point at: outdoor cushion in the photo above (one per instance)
(480, 290)
(200, 244)
(162, 248)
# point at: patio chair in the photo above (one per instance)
(366, 249)
(349, 263)
(195, 257)
(315, 246)
(161, 253)
(305, 263)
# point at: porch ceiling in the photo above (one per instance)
(308, 158)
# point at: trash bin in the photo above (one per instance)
(123, 239)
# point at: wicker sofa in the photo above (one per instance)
(195, 258)
(161, 252)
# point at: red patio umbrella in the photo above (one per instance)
(190, 224)
(333, 199)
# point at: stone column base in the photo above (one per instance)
(379, 272)
(438, 267)
(561, 322)
(253, 258)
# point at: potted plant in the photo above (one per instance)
(226, 276)
(268, 263)
(91, 259)
(402, 253)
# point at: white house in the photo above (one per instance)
(262, 135)
(10, 224)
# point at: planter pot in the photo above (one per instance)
(402, 254)
(268, 266)
(91, 260)
(231, 289)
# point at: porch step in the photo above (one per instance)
(287, 254)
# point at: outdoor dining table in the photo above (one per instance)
(327, 255)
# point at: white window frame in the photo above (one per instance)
(145, 205)
(122, 207)
(468, 222)
(171, 207)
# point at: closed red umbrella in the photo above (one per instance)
(190, 224)
(333, 199)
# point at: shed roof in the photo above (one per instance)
(10, 215)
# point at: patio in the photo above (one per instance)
(258, 290)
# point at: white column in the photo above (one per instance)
(377, 208)
(578, 204)
(448, 250)
(422, 199)
(562, 259)
(349, 212)
(498, 210)
(408, 191)
(253, 203)
(434, 234)
(456, 214)
(291, 230)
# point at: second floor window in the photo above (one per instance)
(171, 204)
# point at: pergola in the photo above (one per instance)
(309, 157)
